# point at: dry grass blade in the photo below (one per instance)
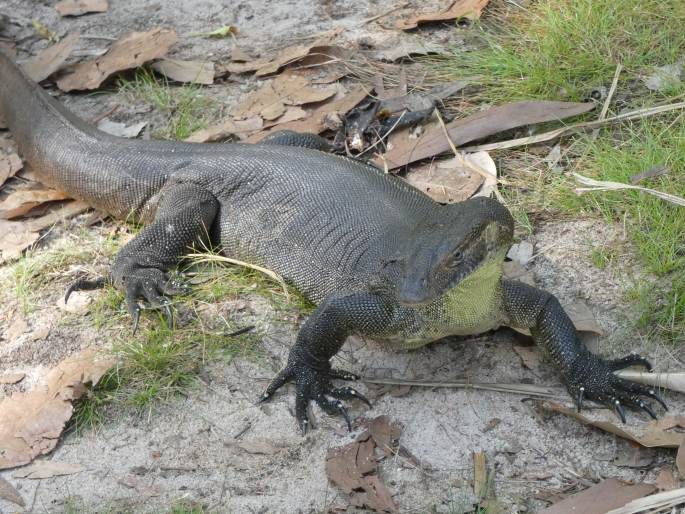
(210, 257)
(553, 134)
(601, 185)
(655, 503)
(528, 389)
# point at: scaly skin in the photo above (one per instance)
(379, 257)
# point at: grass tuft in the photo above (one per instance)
(183, 105)
(562, 49)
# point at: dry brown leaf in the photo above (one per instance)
(530, 356)
(12, 378)
(22, 201)
(131, 51)
(661, 502)
(598, 499)
(385, 433)
(352, 467)
(31, 423)
(446, 181)
(291, 113)
(315, 122)
(656, 434)
(51, 59)
(470, 9)
(79, 7)
(666, 480)
(477, 126)
(513, 270)
(9, 165)
(196, 72)
(8, 492)
(17, 328)
(47, 469)
(270, 100)
(227, 129)
(17, 236)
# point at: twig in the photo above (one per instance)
(460, 155)
(552, 134)
(612, 90)
(600, 185)
(383, 14)
(533, 390)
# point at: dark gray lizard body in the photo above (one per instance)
(380, 258)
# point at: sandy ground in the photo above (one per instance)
(186, 450)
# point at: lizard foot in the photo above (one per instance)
(153, 286)
(316, 385)
(83, 284)
(593, 378)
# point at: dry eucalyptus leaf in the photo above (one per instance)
(51, 59)
(447, 181)
(470, 9)
(195, 72)
(598, 499)
(513, 270)
(79, 7)
(31, 423)
(22, 201)
(18, 327)
(582, 317)
(666, 480)
(131, 51)
(47, 469)
(9, 165)
(12, 378)
(9, 493)
(530, 356)
(227, 129)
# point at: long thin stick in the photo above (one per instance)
(528, 389)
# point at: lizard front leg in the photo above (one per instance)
(184, 216)
(322, 335)
(586, 375)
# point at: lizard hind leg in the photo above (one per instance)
(184, 216)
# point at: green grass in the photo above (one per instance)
(656, 227)
(561, 49)
(184, 106)
(158, 363)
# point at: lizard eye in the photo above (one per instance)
(456, 259)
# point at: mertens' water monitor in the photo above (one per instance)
(380, 258)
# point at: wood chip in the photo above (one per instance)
(79, 7)
(131, 51)
(480, 475)
(598, 499)
(195, 72)
(470, 9)
(51, 59)
(477, 126)
(32, 422)
(47, 469)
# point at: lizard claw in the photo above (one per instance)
(593, 378)
(83, 284)
(152, 285)
(314, 385)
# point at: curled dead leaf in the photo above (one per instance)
(131, 51)
(9, 165)
(196, 72)
(470, 9)
(446, 181)
(22, 201)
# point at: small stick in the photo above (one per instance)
(528, 389)
(382, 15)
(459, 155)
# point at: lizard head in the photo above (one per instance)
(448, 250)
